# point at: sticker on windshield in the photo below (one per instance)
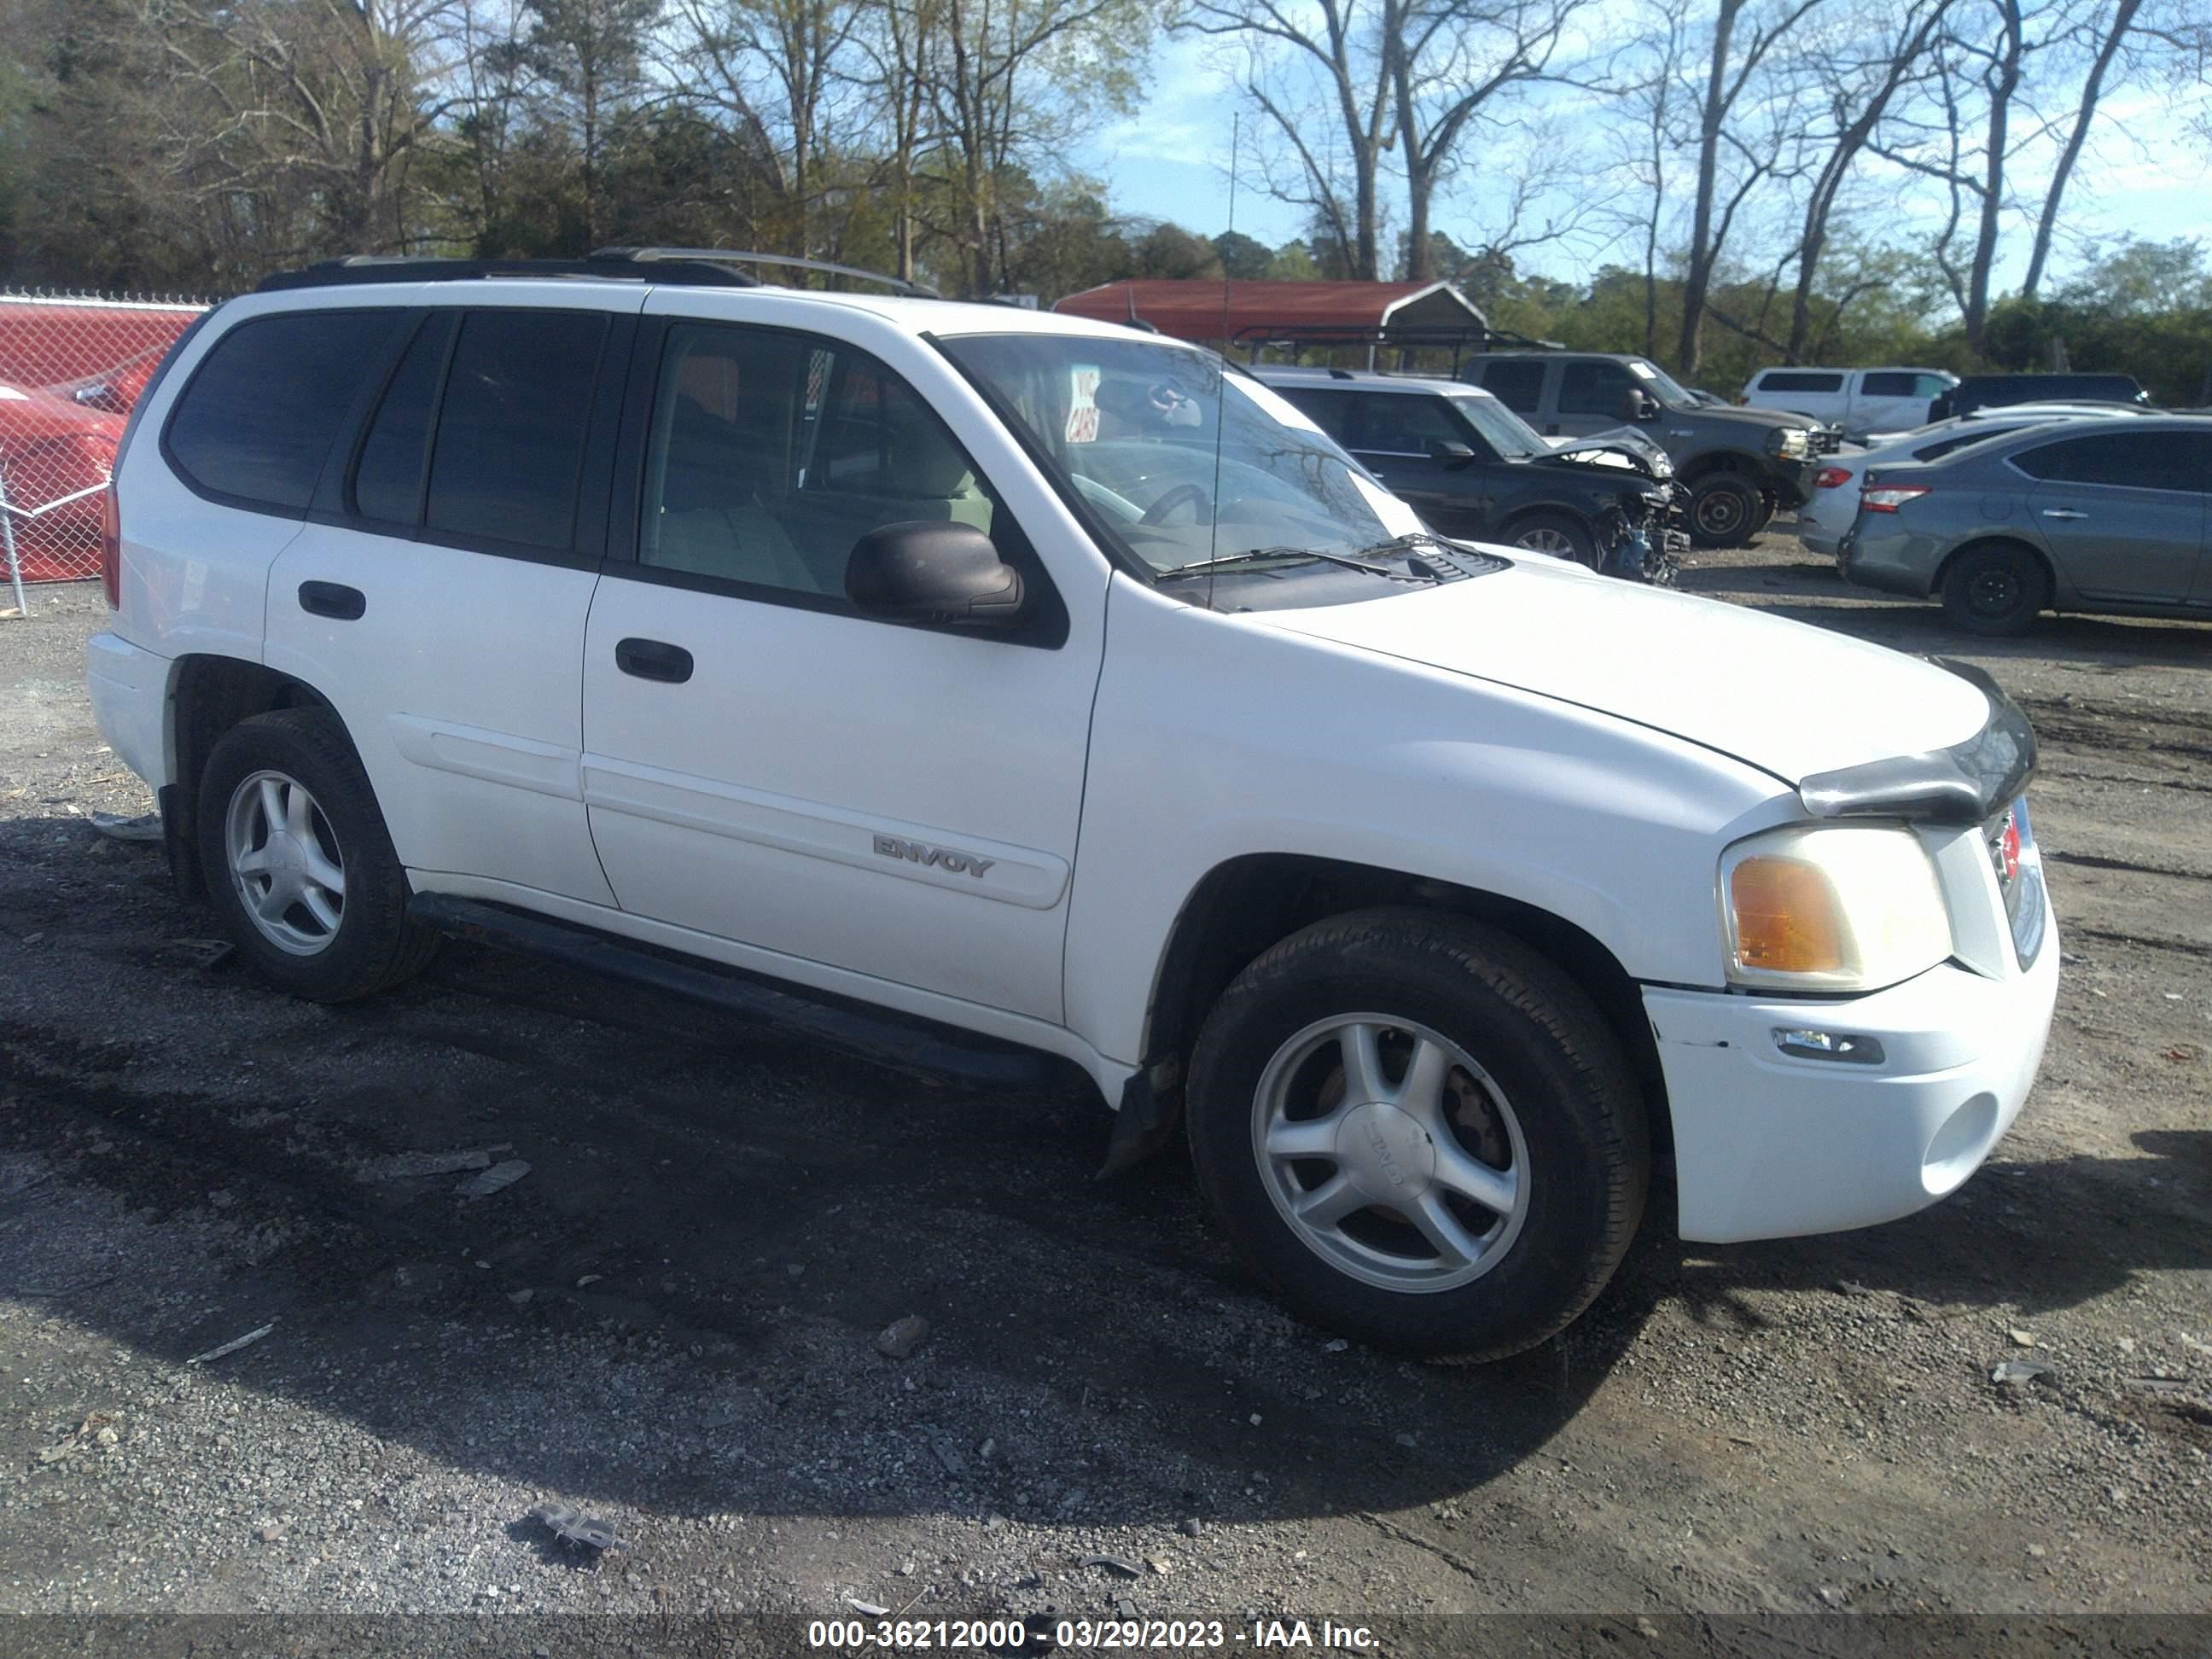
(1082, 403)
(1642, 371)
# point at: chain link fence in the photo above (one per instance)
(70, 368)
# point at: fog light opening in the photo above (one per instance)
(1804, 1042)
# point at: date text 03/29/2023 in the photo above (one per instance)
(1125, 1635)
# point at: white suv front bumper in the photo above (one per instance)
(1769, 1145)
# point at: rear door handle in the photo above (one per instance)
(2062, 513)
(333, 599)
(654, 659)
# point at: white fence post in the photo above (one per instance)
(8, 534)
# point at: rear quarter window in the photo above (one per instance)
(1518, 384)
(257, 419)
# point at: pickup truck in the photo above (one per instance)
(1856, 400)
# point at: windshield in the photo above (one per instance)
(1661, 381)
(1131, 425)
(1504, 431)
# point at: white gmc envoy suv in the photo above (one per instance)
(1057, 683)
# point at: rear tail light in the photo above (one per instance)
(110, 547)
(1887, 498)
(1831, 477)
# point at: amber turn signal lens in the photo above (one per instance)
(1786, 917)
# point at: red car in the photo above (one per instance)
(54, 457)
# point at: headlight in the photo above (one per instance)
(1831, 908)
(1789, 442)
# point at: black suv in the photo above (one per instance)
(1473, 470)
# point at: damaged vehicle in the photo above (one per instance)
(1473, 470)
(1739, 467)
(1028, 686)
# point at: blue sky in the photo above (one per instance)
(1170, 161)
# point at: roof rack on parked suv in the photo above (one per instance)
(658, 256)
(700, 267)
(431, 268)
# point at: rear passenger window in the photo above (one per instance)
(1399, 423)
(1795, 380)
(388, 480)
(1518, 386)
(261, 412)
(2157, 461)
(509, 451)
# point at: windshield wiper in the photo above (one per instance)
(1253, 555)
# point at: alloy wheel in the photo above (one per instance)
(286, 863)
(1391, 1152)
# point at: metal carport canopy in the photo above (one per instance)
(1215, 313)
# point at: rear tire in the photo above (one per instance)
(299, 869)
(1556, 534)
(1996, 591)
(1458, 1074)
(1721, 507)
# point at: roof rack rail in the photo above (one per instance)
(657, 256)
(433, 268)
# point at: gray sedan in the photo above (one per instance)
(2109, 516)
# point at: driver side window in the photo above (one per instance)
(771, 454)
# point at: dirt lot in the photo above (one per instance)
(671, 1322)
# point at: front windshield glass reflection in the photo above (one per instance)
(1182, 462)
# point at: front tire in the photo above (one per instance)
(1420, 1133)
(1722, 507)
(301, 869)
(1558, 535)
(1996, 592)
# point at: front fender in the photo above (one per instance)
(1218, 736)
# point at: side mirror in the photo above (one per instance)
(929, 570)
(1454, 454)
(1639, 406)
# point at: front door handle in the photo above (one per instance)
(2062, 513)
(654, 659)
(1552, 430)
(333, 599)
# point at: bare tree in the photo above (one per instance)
(1448, 62)
(898, 42)
(1743, 38)
(1649, 84)
(1344, 43)
(2105, 32)
(301, 120)
(991, 68)
(772, 68)
(1859, 75)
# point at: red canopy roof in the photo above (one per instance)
(1219, 312)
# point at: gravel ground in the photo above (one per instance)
(670, 1322)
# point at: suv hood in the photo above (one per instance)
(1789, 698)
